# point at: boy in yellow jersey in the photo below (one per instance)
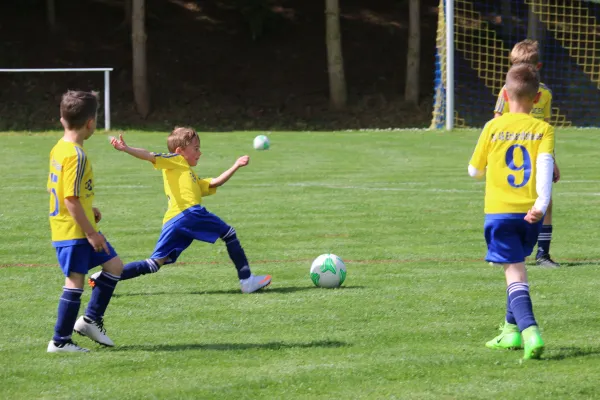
(527, 52)
(515, 152)
(73, 221)
(186, 219)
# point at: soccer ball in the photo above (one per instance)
(261, 142)
(328, 271)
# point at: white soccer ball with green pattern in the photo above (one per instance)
(261, 142)
(328, 271)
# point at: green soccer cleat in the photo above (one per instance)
(509, 339)
(534, 345)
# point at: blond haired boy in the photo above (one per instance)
(527, 52)
(186, 218)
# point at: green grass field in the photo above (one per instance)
(410, 322)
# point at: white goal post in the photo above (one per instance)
(449, 64)
(106, 84)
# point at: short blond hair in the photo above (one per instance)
(527, 51)
(181, 137)
(522, 82)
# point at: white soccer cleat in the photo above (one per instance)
(93, 330)
(255, 283)
(67, 347)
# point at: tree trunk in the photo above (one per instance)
(335, 61)
(51, 14)
(127, 10)
(141, 93)
(413, 54)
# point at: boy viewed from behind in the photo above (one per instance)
(527, 52)
(515, 152)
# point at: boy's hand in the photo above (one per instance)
(242, 161)
(556, 175)
(119, 143)
(97, 214)
(98, 242)
(534, 216)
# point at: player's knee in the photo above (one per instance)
(113, 266)
(75, 280)
(230, 236)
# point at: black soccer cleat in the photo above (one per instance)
(546, 262)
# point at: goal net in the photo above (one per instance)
(485, 31)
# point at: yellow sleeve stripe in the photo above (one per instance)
(81, 161)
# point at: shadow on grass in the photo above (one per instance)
(231, 346)
(579, 263)
(566, 264)
(570, 352)
(289, 289)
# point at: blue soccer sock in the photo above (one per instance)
(101, 295)
(237, 254)
(520, 304)
(544, 240)
(137, 268)
(510, 318)
(68, 307)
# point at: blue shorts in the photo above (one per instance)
(195, 223)
(82, 257)
(509, 237)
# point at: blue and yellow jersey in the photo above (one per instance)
(542, 105)
(70, 176)
(509, 146)
(182, 186)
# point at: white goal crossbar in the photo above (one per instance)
(106, 84)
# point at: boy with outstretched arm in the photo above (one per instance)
(186, 219)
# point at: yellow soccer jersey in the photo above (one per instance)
(70, 176)
(542, 105)
(182, 186)
(509, 146)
